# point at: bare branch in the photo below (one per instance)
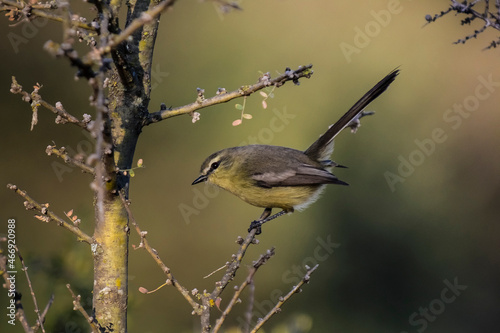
(234, 264)
(36, 100)
(47, 215)
(490, 19)
(41, 10)
(238, 290)
(197, 308)
(200, 103)
(78, 306)
(33, 296)
(63, 154)
(232, 267)
(282, 300)
(46, 310)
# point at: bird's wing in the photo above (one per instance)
(303, 175)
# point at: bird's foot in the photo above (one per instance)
(257, 224)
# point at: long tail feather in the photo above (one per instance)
(317, 150)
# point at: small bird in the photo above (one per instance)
(279, 177)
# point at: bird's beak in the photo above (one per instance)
(200, 179)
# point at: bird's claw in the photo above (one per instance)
(256, 225)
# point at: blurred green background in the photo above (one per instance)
(393, 247)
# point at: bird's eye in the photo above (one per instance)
(214, 165)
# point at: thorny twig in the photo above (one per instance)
(490, 18)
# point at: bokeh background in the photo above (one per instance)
(393, 247)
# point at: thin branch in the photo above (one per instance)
(282, 300)
(232, 267)
(41, 11)
(197, 308)
(247, 90)
(212, 273)
(145, 18)
(47, 215)
(35, 100)
(234, 264)
(66, 117)
(46, 310)
(33, 296)
(78, 306)
(491, 19)
(238, 290)
(63, 154)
